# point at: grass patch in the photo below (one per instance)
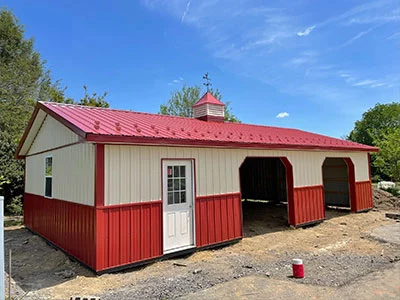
(14, 222)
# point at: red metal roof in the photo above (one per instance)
(106, 125)
(208, 98)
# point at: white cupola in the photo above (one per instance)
(209, 109)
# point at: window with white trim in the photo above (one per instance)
(48, 177)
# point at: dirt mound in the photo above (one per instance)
(385, 201)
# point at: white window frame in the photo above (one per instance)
(46, 176)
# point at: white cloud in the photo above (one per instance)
(356, 37)
(306, 57)
(306, 32)
(176, 81)
(186, 11)
(282, 115)
(367, 82)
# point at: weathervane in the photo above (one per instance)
(207, 81)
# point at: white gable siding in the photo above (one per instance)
(73, 173)
(133, 173)
(52, 134)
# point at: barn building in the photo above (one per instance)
(116, 188)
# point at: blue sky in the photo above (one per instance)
(312, 65)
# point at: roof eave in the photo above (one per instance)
(114, 139)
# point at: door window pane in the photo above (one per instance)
(176, 198)
(182, 171)
(48, 188)
(170, 198)
(170, 188)
(183, 197)
(176, 184)
(183, 184)
(176, 171)
(169, 171)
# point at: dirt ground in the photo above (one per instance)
(385, 200)
(336, 252)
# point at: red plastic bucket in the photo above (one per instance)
(298, 268)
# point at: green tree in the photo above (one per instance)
(375, 123)
(94, 99)
(378, 127)
(22, 75)
(24, 80)
(181, 102)
(388, 158)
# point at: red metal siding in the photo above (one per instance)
(363, 195)
(128, 233)
(309, 204)
(68, 225)
(218, 219)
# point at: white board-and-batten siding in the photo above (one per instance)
(52, 134)
(133, 173)
(73, 173)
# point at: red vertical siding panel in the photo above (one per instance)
(198, 222)
(217, 220)
(146, 232)
(136, 231)
(224, 218)
(211, 222)
(308, 204)
(125, 235)
(204, 223)
(221, 219)
(113, 247)
(156, 248)
(101, 243)
(364, 195)
(231, 217)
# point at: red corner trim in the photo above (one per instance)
(290, 189)
(352, 183)
(99, 176)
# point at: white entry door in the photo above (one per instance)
(178, 205)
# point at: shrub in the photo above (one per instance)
(15, 206)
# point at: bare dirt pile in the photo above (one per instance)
(385, 201)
